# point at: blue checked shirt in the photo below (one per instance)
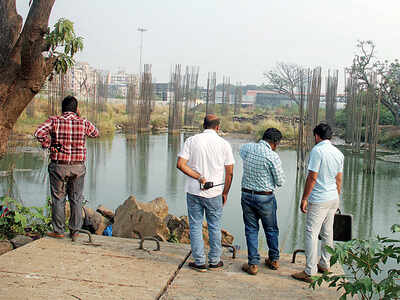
(262, 167)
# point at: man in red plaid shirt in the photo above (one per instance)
(65, 136)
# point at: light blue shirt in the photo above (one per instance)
(327, 161)
(262, 167)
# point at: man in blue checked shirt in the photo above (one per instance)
(262, 174)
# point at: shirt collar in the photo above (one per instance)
(265, 143)
(210, 130)
(69, 113)
(324, 142)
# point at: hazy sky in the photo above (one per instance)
(240, 39)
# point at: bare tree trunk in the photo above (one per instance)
(23, 68)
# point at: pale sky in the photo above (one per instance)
(240, 39)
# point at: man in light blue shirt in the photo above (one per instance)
(320, 200)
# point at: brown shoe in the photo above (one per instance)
(302, 276)
(322, 269)
(272, 264)
(55, 235)
(74, 236)
(250, 269)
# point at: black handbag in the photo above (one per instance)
(342, 227)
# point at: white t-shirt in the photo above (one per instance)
(208, 154)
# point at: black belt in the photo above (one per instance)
(66, 162)
(256, 192)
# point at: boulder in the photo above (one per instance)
(20, 240)
(94, 221)
(179, 228)
(108, 213)
(146, 218)
(5, 246)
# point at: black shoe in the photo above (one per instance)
(217, 266)
(201, 268)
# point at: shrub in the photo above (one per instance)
(20, 218)
(365, 260)
(288, 132)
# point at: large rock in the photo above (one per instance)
(94, 221)
(5, 246)
(147, 218)
(108, 213)
(179, 229)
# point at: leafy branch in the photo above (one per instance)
(62, 43)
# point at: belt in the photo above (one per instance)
(256, 192)
(66, 162)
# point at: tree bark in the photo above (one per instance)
(23, 68)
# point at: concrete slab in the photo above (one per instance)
(117, 269)
(59, 269)
(232, 283)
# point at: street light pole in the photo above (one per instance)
(141, 47)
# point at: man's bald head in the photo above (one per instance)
(211, 122)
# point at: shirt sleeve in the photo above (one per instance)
(243, 151)
(315, 161)
(277, 171)
(341, 164)
(185, 152)
(229, 159)
(42, 133)
(91, 130)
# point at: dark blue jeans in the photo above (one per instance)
(256, 207)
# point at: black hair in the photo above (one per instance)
(69, 104)
(323, 130)
(272, 135)
(210, 124)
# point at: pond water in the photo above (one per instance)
(146, 168)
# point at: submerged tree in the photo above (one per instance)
(28, 55)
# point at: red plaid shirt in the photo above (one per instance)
(65, 135)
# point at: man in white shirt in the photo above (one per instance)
(206, 157)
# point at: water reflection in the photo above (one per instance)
(146, 168)
(171, 180)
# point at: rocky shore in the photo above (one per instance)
(149, 219)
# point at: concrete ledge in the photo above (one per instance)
(116, 269)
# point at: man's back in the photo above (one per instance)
(327, 161)
(262, 168)
(67, 134)
(207, 153)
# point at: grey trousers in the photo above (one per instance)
(320, 217)
(66, 180)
